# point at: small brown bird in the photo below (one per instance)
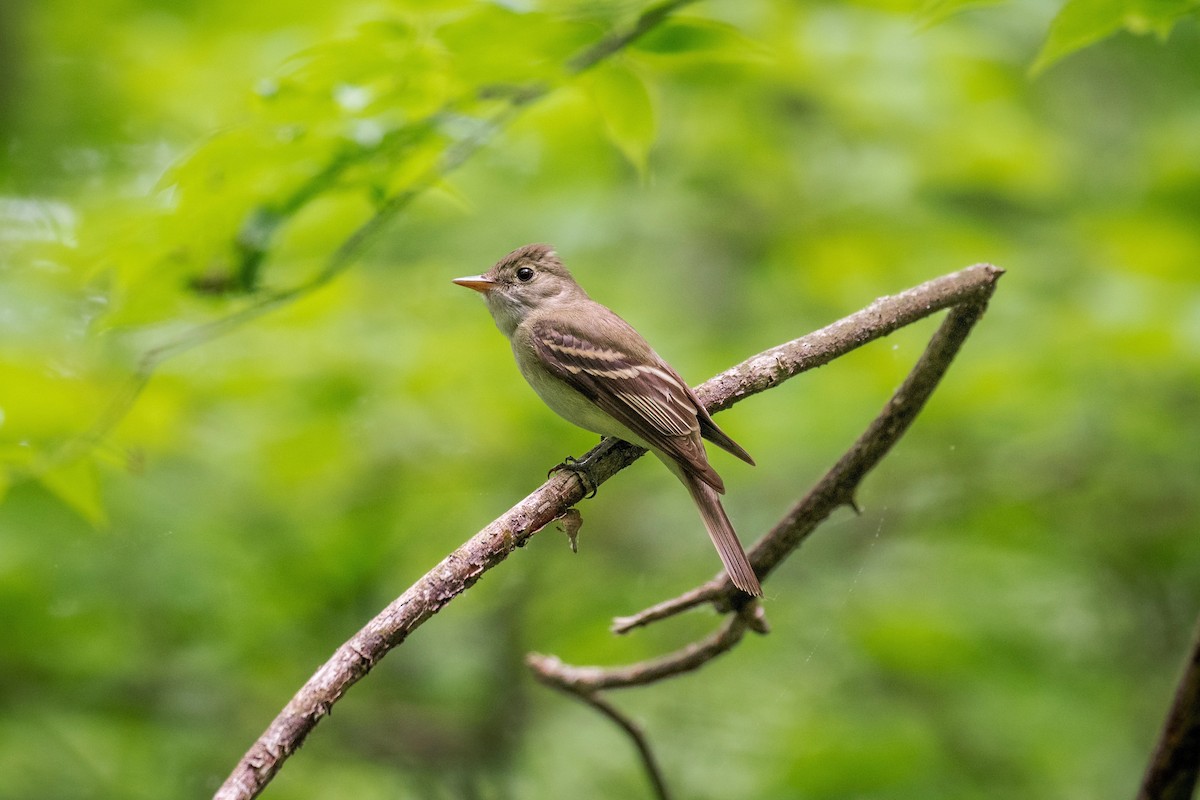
(594, 370)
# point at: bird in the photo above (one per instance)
(593, 369)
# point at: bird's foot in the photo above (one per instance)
(581, 470)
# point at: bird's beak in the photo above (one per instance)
(480, 283)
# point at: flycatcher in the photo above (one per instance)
(594, 370)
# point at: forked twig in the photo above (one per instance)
(836, 487)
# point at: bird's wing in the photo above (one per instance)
(638, 389)
(710, 431)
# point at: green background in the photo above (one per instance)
(1006, 618)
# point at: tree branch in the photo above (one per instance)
(462, 568)
(1172, 771)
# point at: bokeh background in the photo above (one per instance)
(1006, 618)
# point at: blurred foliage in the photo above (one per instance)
(178, 554)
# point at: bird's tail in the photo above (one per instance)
(723, 536)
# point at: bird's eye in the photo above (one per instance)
(525, 274)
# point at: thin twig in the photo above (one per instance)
(634, 732)
(587, 683)
(585, 680)
(493, 544)
(1172, 771)
(611, 45)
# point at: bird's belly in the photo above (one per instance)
(574, 407)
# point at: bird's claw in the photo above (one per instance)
(581, 470)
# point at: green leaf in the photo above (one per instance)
(77, 484)
(1084, 22)
(496, 45)
(714, 41)
(624, 102)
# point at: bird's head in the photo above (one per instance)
(521, 282)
